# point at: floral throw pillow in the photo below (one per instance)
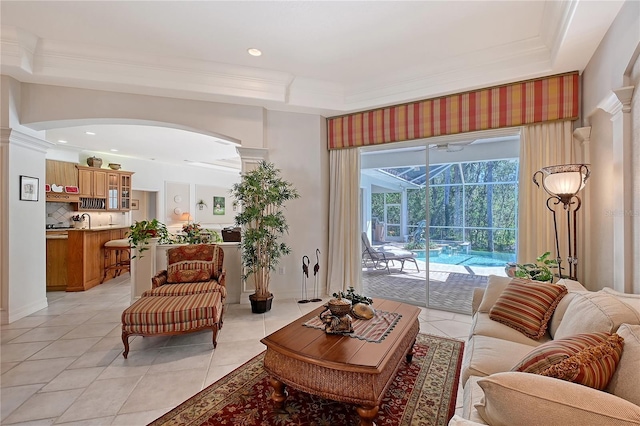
(188, 275)
(527, 306)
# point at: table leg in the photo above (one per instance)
(410, 353)
(367, 414)
(279, 394)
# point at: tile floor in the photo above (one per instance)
(63, 365)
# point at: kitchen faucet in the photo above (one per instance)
(82, 216)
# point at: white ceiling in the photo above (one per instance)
(319, 57)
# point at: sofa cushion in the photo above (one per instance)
(471, 396)
(573, 287)
(495, 287)
(589, 359)
(593, 312)
(487, 355)
(632, 300)
(484, 326)
(527, 306)
(514, 398)
(625, 382)
(187, 289)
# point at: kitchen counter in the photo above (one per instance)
(86, 265)
(100, 228)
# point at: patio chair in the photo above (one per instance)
(385, 254)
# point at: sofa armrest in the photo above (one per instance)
(222, 278)
(478, 294)
(159, 279)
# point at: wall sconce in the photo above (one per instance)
(563, 183)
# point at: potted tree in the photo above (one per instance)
(142, 231)
(262, 194)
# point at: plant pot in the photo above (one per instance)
(259, 305)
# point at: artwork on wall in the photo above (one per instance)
(218, 206)
(135, 204)
(29, 188)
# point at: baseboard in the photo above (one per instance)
(16, 314)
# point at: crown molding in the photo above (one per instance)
(28, 58)
(14, 137)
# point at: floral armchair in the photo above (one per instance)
(191, 269)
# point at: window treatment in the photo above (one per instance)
(542, 145)
(344, 211)
(527, 102)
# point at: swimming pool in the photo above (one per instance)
(471, 259)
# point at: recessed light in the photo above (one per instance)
(254, 52)
(90, 133)
(113, 150)
(61, 141)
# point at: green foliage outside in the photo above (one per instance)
(479, 196)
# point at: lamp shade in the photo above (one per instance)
(564, 181)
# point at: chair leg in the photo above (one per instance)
(125, 340)
(215, 335)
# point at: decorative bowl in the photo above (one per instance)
(114, 166)
(363, 311)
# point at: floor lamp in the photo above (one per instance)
(563, 183)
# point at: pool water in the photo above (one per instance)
(471, 259)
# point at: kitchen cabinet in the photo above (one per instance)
(86, 256)
(92, 182)
(57, 243)
(61, 173)
(119, 191)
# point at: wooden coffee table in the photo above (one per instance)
(339, 367)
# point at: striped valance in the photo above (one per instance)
(535, 101)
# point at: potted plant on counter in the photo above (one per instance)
(262, 194)
(142, 231)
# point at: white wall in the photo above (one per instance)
(610, 69)
(22, 223)
(297, 146)
(206, 216)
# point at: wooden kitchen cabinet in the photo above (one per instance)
(57, 244)
(119, 191)
(61, 173)
(92, 182)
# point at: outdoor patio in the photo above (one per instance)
(450, 286)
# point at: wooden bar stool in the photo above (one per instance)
(122, 257)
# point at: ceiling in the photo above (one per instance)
(319, 57)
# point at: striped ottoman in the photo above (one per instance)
(157, 315)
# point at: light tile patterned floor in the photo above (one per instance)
(63, 365)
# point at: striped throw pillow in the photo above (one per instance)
(589, 359)
(527, 306)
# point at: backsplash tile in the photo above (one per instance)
(60, 214)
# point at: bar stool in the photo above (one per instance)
(122, 256)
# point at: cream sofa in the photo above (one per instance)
(495, 395)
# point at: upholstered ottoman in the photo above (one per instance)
(158, 315)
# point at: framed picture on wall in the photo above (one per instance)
(218, 206)
(29, 188)
(135, 204)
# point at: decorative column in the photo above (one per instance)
(623, 174)
(250, 158)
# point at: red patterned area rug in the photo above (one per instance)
(423, 393)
